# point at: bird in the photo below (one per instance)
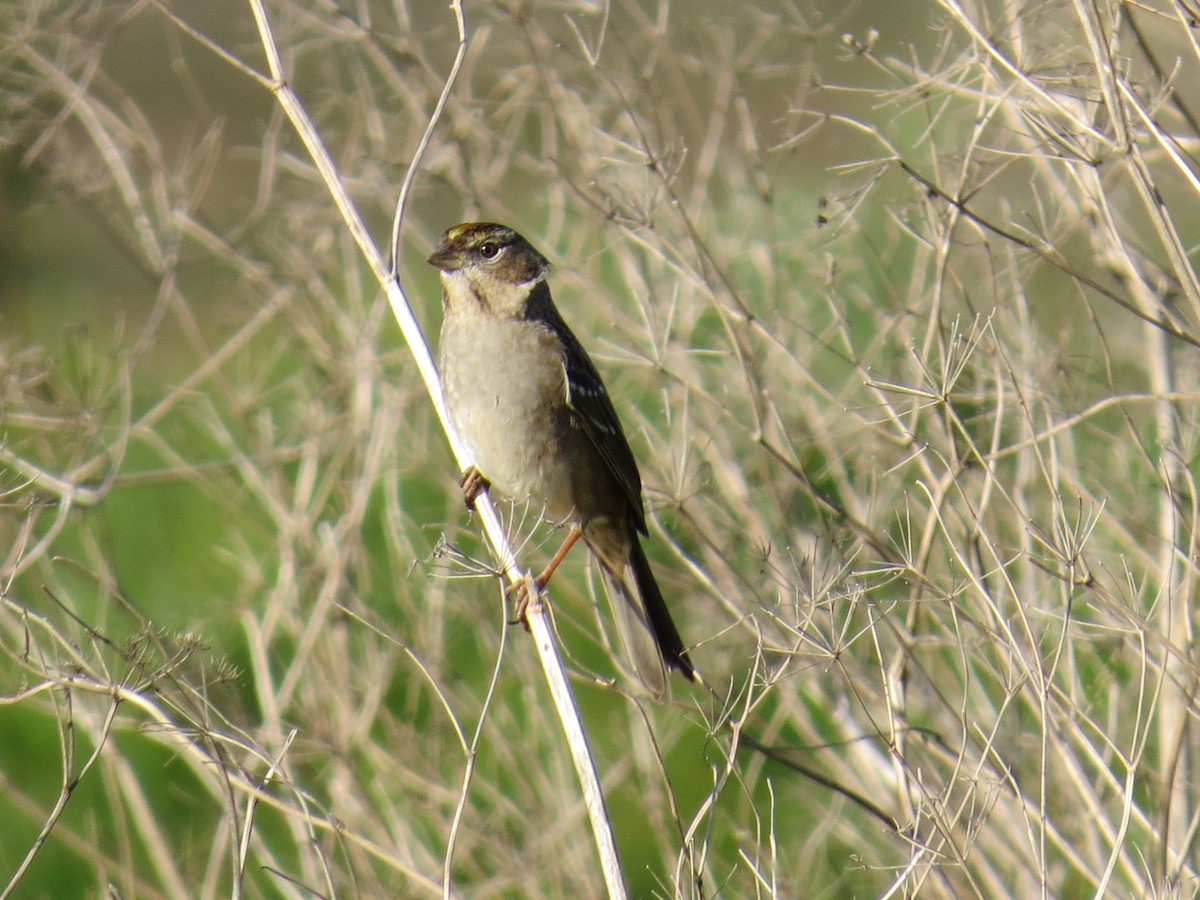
(529, 403)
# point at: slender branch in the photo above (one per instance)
(539, 623)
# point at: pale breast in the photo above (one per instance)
(506, 392)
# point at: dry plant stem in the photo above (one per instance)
(539, 624)
(159, 718)
(71, 780)
(1174, 615)
(471, 751)
(248, 824)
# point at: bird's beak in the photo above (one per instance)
(446, 257)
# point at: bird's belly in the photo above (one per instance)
(512, 431)
(522, 468)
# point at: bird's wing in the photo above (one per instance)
(594, 413)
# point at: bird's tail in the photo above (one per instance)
(646, 631)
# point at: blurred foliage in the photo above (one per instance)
(898, 303)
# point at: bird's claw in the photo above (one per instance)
(519, 592)
(521, 600)
(473, 484)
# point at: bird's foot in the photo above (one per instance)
(473, 484)
(521, 599)
(520, 590)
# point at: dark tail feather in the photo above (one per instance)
(666, 635)
(648, 636)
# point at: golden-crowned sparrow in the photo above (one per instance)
(525, 397)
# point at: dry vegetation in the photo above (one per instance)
(899, 305)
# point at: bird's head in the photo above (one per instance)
(488, 267)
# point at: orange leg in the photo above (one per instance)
(522, 595)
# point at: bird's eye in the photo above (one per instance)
(489, 250)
